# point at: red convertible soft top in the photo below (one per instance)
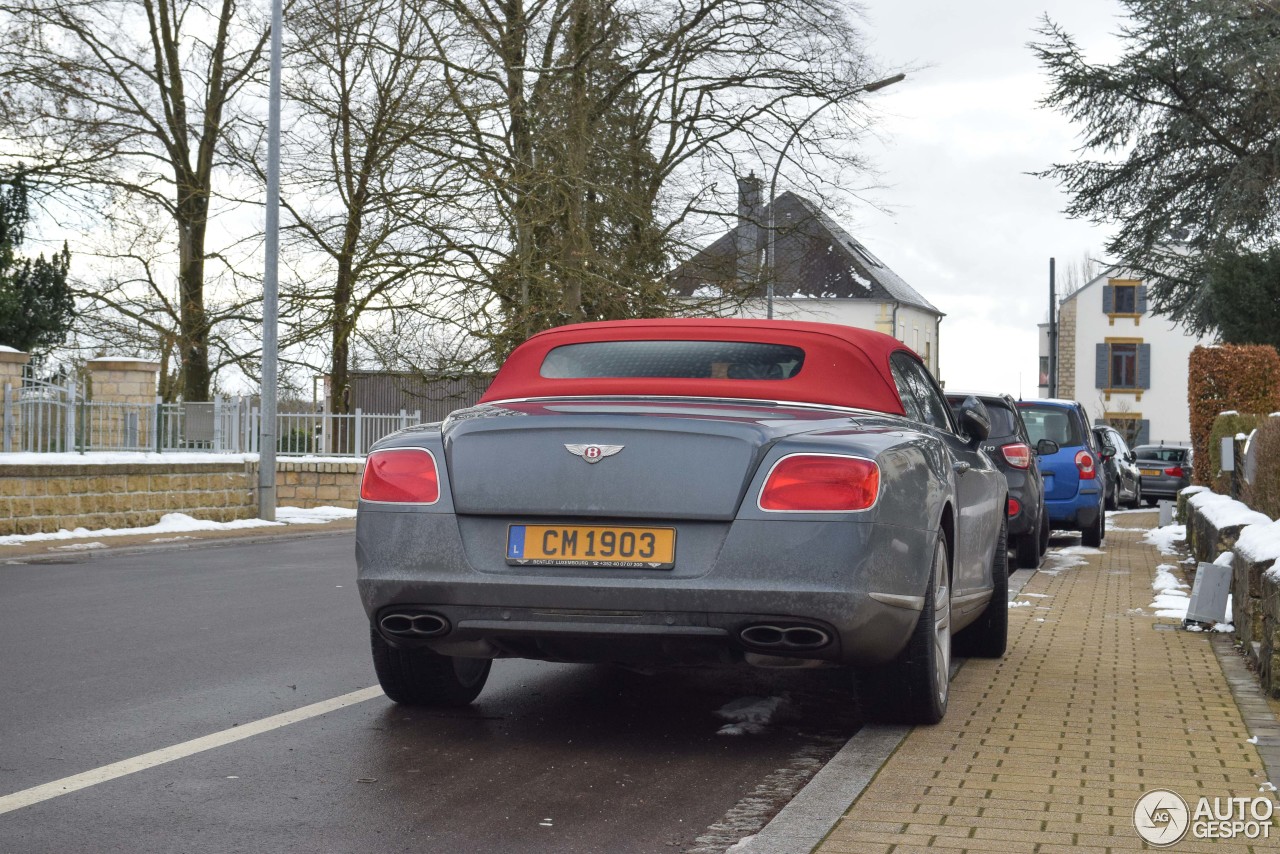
(843, 365)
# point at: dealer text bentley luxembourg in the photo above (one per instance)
(690, 492)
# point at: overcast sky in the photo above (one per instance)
(970, 230)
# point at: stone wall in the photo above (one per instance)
(308, 484)
(1217, 523)
(38, 498)
(1067, 350)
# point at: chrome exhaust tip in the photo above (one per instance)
(413, 625)
(766, 636)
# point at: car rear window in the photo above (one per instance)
(733, 360)
(1161, 453)
(1053, 423)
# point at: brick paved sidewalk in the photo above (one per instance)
(1050, 748)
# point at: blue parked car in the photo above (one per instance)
(1074, 483)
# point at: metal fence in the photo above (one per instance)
(49, 418)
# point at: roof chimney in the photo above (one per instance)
(748, 236)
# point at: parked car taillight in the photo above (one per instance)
(821, 482)
(1176, 471)
(1086, 465)
(1014, 507)
(1017, 455)
(404, 475)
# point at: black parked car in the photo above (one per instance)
(1010, 448)
(1124, 482)
(1165, 469)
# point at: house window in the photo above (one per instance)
(1124, 298)
(1123, 364)
(1044, 371)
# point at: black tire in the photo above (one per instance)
(1112, 499)
(988, 636)
(1095, 532)
(1137, 496)
(1026, 548)
(1044, 532)
(913, 689)
(420, 677)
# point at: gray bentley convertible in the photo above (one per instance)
(691, 492)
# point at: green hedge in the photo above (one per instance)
(1226, 424)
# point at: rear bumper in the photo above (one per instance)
(1163, 487)
(1075, 514)
(859, 583)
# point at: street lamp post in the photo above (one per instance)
(777, 167)
(270, 284)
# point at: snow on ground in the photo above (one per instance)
(752, 715)
(171, 523)
(312, 515)
(1019, 604)
(1171, 599)
(1164, 538)
(1166, 580)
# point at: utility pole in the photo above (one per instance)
(270, 284)
(1053, 332)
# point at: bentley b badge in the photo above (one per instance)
(593, 453)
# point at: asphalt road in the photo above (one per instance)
(116, 655)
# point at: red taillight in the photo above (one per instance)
(406, 475)
(1176, 471)
(1017, 455)
(1014, 507)
(1084, 462)
(821, 482)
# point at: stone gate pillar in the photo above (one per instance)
(123, 395)
(11, 364)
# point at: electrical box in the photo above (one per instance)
(1166, 513)
(1209, 594)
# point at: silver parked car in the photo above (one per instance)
(673, 492)
(1166, 470)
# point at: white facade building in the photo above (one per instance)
(821, 273)
(1126, 366)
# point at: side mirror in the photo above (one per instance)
(1047, 448)
(1108, 451)
(974, 419)
(1131, 457)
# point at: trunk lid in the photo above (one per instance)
(656, 459)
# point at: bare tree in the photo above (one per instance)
(371, 205)
(589, 120)
(125, 104)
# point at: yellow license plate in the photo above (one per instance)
(1152, 472)
(591, 545)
